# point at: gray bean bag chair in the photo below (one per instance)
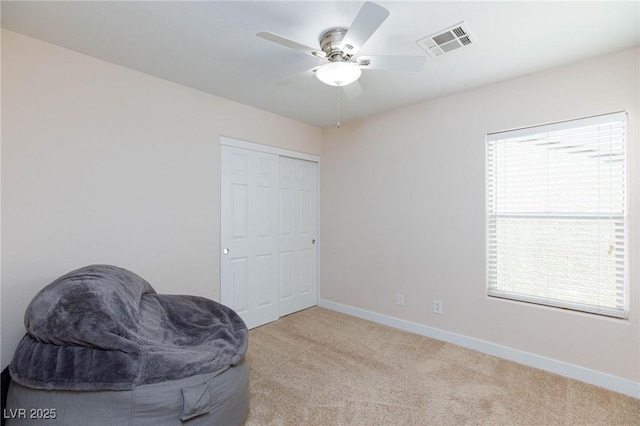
(103, 348)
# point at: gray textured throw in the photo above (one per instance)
(104, 328)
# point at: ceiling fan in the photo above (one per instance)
(338, 47)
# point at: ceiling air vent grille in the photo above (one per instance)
(453, 38)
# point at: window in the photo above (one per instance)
(557, 216)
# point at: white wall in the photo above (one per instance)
(403, 211)
(101, 164)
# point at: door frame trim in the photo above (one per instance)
(225, 140)
(253, 146)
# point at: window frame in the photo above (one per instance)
(492, 216)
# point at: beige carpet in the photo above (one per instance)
(319, 367)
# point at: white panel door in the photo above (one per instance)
(298, 248)
(250, 234)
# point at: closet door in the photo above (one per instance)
(250, 234)
(298, 245)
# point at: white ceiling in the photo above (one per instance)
(212, 45)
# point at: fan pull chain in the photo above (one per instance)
(338, 99)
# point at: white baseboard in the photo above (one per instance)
(607, 381)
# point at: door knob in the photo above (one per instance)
(313, 241)
(225, 251)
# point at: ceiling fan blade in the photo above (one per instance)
(291, 44)
(296, 77)
(370, 17)
(352, 90)
(392, 63)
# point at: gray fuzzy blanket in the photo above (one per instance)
(104, 328)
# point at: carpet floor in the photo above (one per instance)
(319, 367)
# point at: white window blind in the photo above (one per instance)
(557, 215)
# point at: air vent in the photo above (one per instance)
(453, 38)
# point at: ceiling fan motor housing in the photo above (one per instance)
(330, 44)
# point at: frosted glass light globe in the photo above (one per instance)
(338, 73)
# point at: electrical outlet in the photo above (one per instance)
(400, 299)
(437, 307)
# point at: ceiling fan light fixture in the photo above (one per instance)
(338, 73)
